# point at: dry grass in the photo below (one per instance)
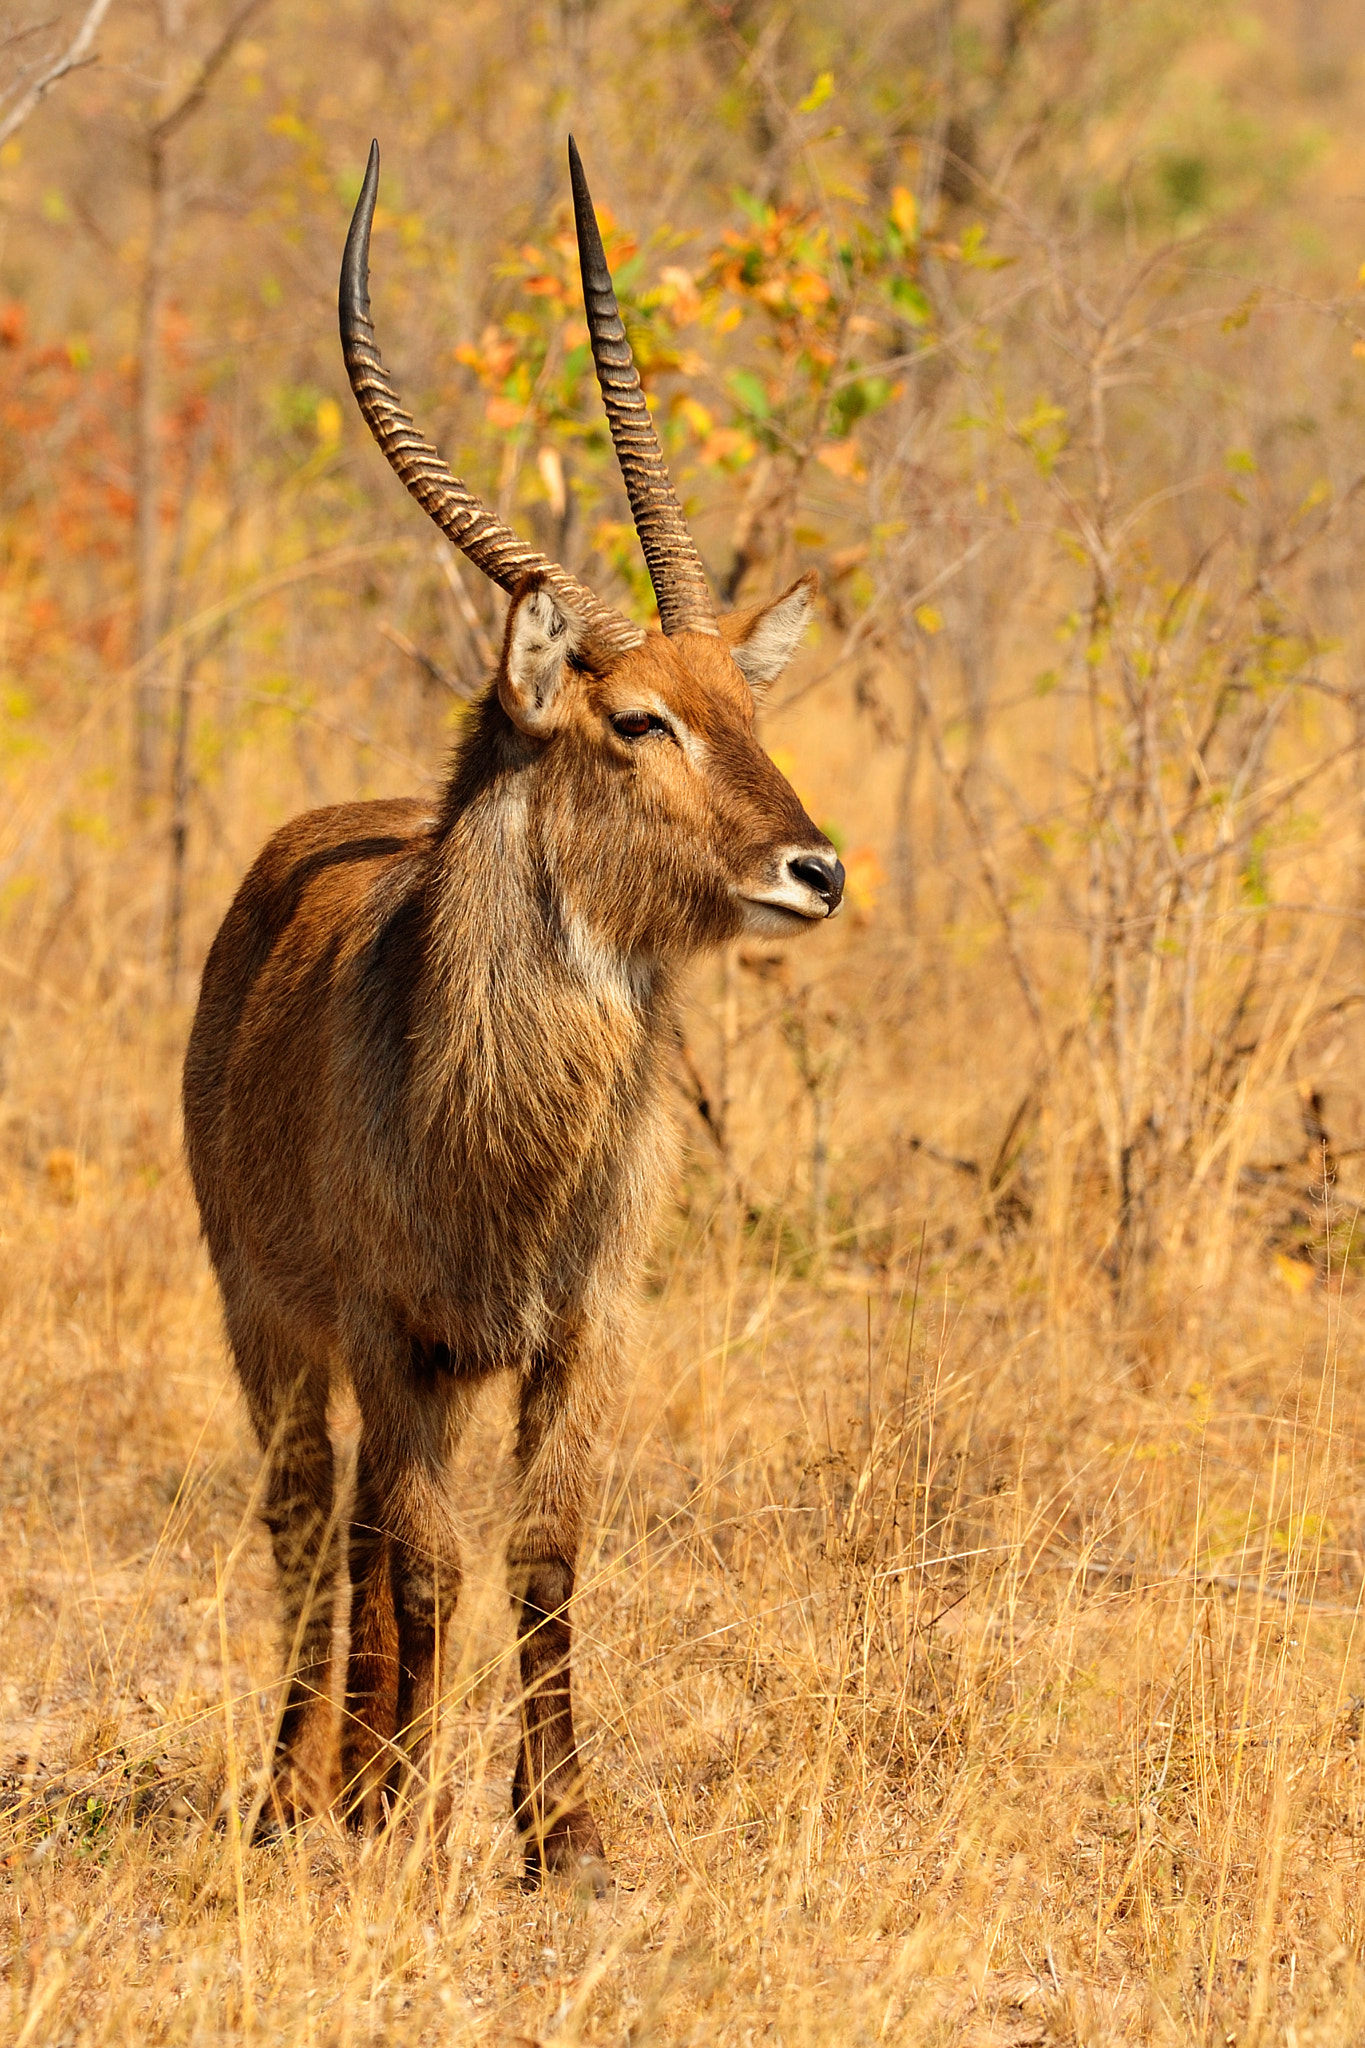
(969, 1639)
(958, 1663)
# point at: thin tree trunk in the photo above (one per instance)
(903, 845)
(180, 820)
(147, 476)
(819, 1173)
(163, 195)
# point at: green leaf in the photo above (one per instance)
(973, 252)
(911, 301)
(750, 392)
(758, 210)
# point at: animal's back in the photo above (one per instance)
(258, 1070)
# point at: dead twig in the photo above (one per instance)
(78, 53)
(432, 670)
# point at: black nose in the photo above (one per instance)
(825, 876)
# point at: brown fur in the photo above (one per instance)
(425, 1117)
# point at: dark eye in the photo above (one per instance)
(637, 725)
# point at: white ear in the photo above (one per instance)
(765, 640)
(541, 633)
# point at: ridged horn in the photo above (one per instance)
(675, 567)
(475, 530)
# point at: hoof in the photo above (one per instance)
(592, 1876)
(268, 1826)
(589, 1874)
(571, 1851)
(368, 1812)
(284, 1809)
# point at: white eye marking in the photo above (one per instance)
(687, 740)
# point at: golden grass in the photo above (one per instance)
(956, 1664)
(969, 1649)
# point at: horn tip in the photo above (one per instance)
(584, 215)
(353, 297)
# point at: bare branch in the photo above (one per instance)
(194, 93)
(956, 785)
(78, 54)
(432, 670)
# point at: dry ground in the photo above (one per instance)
(957, 1664)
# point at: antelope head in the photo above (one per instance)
(659, 820)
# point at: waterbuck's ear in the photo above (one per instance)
(763, 640)
(541, 634)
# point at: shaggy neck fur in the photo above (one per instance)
(538, 1039)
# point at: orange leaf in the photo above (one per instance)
(506, 413)
(864, 878)
(678, 291)
(840, 458)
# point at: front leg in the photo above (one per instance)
(562, 1398)
(405, 1567)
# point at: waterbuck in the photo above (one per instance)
(425, 1092)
